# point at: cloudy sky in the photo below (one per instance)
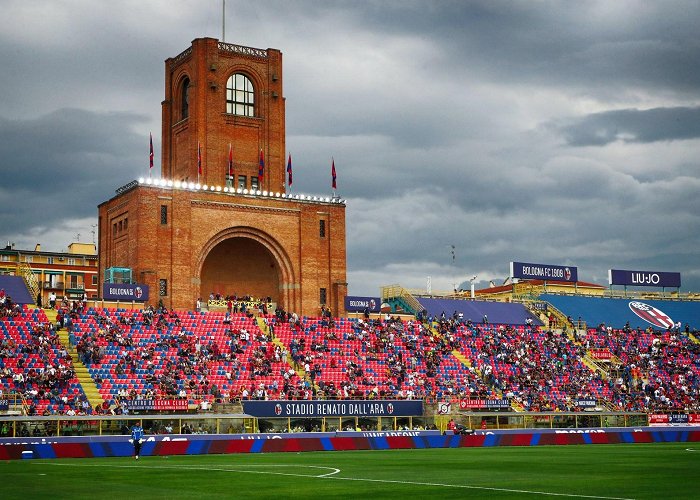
(538, 131)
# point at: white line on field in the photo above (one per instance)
(487, 488)
(331, 475)
(332, 470)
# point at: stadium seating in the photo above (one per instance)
(496, 312)
(210, 356)
(196, 356)
(34, 365)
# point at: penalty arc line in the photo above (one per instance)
(334, 471)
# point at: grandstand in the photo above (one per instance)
(210, 358)
(93, 359)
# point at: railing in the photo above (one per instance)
(182, 55)
(394, 291)
(238, 423)
(16, 403)
(241, 49)
(53, 285)
(30, 279)
(561, 318)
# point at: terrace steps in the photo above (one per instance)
(81, 371)
(266, 330)
(588, 360)
(466, 362)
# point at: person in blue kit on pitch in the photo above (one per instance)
(137, 438)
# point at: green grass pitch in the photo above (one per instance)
(668, 470)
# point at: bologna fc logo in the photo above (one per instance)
(390, 408)
(372, 305)
(278, 409)
(567, 274)
(443, 408)
(651, 314)
(138, 293)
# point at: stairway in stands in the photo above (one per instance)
(276, 341)
(466, 362)
(81, 371)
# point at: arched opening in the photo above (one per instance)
(241, 266)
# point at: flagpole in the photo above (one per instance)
(223, 21)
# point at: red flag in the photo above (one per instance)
(261, 169)
(333, 174)
(289, 170)
(199, 159)
(230, 161)
(151, 156)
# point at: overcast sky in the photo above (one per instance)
(539, 131)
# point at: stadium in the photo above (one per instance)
(240, 367)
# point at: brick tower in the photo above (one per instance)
(198, 229)
(219, 95)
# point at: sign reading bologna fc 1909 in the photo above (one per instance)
(339, 408)
(125, 291)
(644, 278)
(546, 272)
(651, 314)
(359, 304)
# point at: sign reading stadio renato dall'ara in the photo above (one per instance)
(330, 408)
(125, 291)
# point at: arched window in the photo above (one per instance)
(240, 95)
(185, 99)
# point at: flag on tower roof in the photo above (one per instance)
(333, 174)
(151, 155)
(199, 159)
(289, 170)
(230, 160)
(261, 169)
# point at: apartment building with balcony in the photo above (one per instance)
(71, 273)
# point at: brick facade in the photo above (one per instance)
(229, 241)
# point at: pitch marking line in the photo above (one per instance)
(332, 470)
(332, 475)
(487, 488)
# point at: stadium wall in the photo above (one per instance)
(616, 312)
(120, 446)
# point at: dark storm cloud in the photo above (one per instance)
(632, 125)
(63, 164)
(623, 43)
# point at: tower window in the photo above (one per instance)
(164, 214)
(185, 99)
(322, 295)
(322, 228)
(240, 95)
